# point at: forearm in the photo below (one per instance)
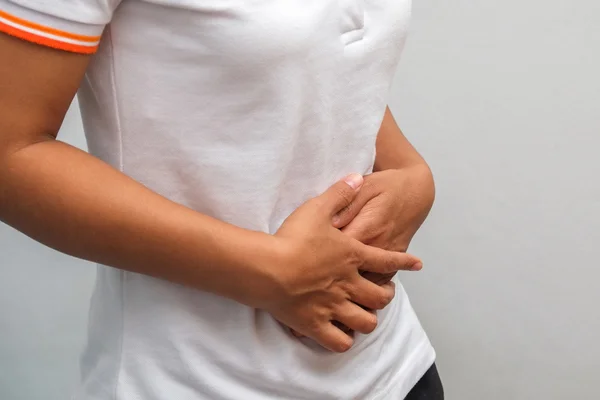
(394, 151)
(77, 204)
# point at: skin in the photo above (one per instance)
(393, 202)
(395, 199)
(79, 205)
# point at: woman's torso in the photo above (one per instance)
(240, 109)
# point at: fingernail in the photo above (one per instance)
(354, 181)
(417, 267)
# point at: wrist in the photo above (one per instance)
(253, 264)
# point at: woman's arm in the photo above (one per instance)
(79, 205)
(75, 203)
(395, 199)
(394, 151)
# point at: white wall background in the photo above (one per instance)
(44, 299)
(503, 99)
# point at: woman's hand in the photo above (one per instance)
(319, 272)
(388, 211)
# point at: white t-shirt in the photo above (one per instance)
(242, 110)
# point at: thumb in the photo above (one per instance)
(341, 194)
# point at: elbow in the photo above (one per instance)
(425, 181)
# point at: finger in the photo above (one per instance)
(379, 279)
(347, 215)
(385, 261)
(390, 286)
(347, 330)
(341, 194)
(370, 223)
(356, 318)
(333, 339)
(370, 295)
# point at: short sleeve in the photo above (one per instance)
(70, 25)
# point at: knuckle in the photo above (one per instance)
(392, 264)
(345, 195)
(318, 318)
(356, 253)
(345, 211)
(370, 186)
(382, 300)
(322, 315)
(314, 326)
(354, 259)
(380, 266)
(348, 291)
(372, 233)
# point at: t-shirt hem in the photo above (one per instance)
(418, 363)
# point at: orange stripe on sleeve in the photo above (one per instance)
(46, 41)
(46, 29)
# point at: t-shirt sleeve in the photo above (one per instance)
(70, 25)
